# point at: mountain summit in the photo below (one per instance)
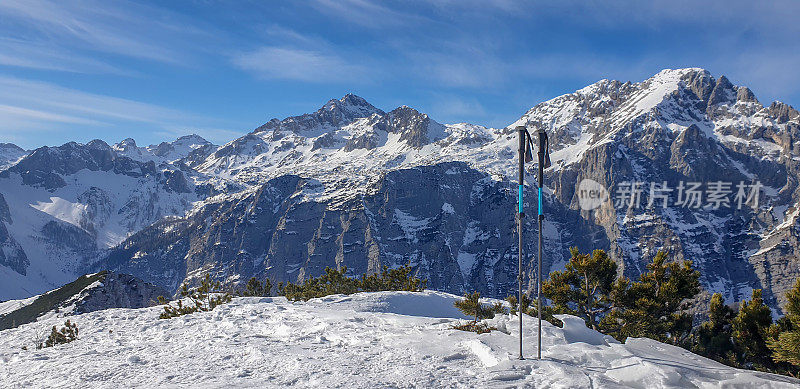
(334, 114)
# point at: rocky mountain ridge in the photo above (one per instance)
(353, 185)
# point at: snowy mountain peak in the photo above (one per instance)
(354, 105)
(10, 154)
(11, 147)
(783, 112)
(415, 128)
(178, 149)
(672, 100)
(125, 145)
(347, 109)
(333, 115)
(98, 144)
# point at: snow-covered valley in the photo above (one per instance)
(384, 339)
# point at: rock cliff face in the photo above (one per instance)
(353, 185)
(451, 222)
(11, 254)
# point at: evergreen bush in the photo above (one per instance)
(712, 338)
(256, 288)
(785, 344)
(526, 305)
(471, 306)
(655, 305)
(337, 282)
(207, 296)
(66, 334)
(750, 331)
(471, 326)
(583, 288)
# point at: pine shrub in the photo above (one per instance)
(203, 298)
(785, 344)
(471, 326)
(331, 282)
(256, 288)
(526, 305)
(337, 282)
(655, 305)
(399, 279)
(750, 332)
(471, 306)
(583, 288)
(66, 334)
(712, 339)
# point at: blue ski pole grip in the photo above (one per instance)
(520, 198)
(540, 201)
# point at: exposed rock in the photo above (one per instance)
(11, 253)
(335, 113)
(744, 94)
(89, 293)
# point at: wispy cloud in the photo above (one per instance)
(49, 57)
(20, 117)
(286, 63)
(32, 106)
(450, 107)
(68, 35)
(47, 97)
(369, 13)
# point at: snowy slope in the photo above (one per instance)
(60, 230)
(387, 339)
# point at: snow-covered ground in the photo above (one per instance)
(387, 339)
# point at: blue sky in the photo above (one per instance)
(80, 70)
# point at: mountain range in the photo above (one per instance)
(353, 185)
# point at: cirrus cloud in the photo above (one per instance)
(284, 63)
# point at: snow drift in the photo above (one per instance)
(385, 339)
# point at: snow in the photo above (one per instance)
(448, 208)
(409, 224)
(385, 339)
(62, 209)
(573, 153)
(13, 305)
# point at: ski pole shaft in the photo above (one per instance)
(520, 215)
